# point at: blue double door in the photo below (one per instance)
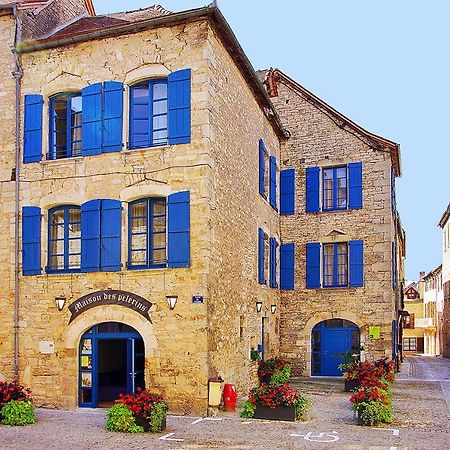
(329, 341)
(111, 362)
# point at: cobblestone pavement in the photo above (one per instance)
(421, 421)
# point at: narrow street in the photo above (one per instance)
(421, 421)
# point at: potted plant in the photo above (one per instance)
(149, 411)
(16, 407)
(350, 363)
(270, 366)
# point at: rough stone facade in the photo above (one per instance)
(444, 318)
(318, 139)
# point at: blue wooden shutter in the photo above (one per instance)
(273, 182)
(179, 100)
(32, 136)
(394, 265)
(287, 266)
(112, 116)
(313, 265)
(178, 216)
(356, 256)
(262, 153)
(287, 192)
(91, 118)
(90, 236)
(110, 232)
(261, 262)
(393, 200)
(355, 185)
(31, 240)
(272, 263)
(312, 189)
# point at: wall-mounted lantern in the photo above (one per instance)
(171, 301)
(60, 302)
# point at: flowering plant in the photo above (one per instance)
(141, 402)
(268, 367)
(274, 395)
(369, 394)
(13, 391)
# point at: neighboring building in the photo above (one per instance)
(344, 231)
(155, 203)
(433, 300)
(413, 332)
(444, 223)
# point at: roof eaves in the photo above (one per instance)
(445, 217)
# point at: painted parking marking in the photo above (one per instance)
(168, 437)
(319, 437)
(394, 431)
(211, 419)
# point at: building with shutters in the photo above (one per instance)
(346, 241)
(444, 322)
(161, 222)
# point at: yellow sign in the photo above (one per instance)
(374, 332)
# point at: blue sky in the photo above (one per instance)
(384, 64)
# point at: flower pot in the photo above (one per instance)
(351, 385)
(145, 423)
(278, 413)
(359, 420)
(265, 379)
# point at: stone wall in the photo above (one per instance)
(317, 140)
(7, 158)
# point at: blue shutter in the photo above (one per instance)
(178, 216)
(91, 120)
(393, 200)
(287, 266)
(394, 265)
(90, 236)
(312, 189)
(110, 232)
(273, 182)
(262, 153)
(179, 100)
(313, 265)
(261, 263)
(355, 185)
(272, 263)
(356, 263)
(287, 192)
(112, 116)
(32, 135)
(31, 240)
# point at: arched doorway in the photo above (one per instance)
(329, 340)
(111, 361)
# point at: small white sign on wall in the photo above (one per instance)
(47, 347)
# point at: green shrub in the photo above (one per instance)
(120, 418)
(281, 376)
(302, 405)
(248, 410)
(157, 414)
(18, 412)
(372, 413)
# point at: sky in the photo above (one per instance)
(384, 64)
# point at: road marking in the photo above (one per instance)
(168, 438)
(197, 421)
(213, 419)
(319, 437)
(394, 431)
(392, 448)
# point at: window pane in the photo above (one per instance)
(328, 266)
(159, 90)
(159, 256)
(140, 112)
(160, 122)
(159, 240)
(139, 225)
(159, 207)
(56, 262)
(74, 261)
(139, 209)
(74, 215)
(160, 107)
(74, 246)
(139, 241)
(159, 224)
(138, 257)
(140, 94)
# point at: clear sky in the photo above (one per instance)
(384, 64)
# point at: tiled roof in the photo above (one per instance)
(102, 22)
(445, 217)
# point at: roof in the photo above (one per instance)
(433, 272)
(109, 25)
(445, 217)
(271, 76)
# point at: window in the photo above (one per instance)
(334, 182)
(64, 239)
(335, 265)
(147, 233)
(148, 114)
(409, 344)
(65, 126)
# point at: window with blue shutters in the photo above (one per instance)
(273, 182)
(64, 239)
(31, 240)
(264, 263)
(178, 233)
(65, 126)
(287, 258)
(334, 265)
(341, 188)
(273, 246)
(287, 192)
(147, 233)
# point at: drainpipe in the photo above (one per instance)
(17, 74)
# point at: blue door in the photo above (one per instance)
(329, 340)
(111, 362)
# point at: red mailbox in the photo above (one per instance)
(229, 397)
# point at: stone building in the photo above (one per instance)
(155, 212)
(413, 330)
(346, 235)
(444, 224)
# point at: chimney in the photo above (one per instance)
(421, 275)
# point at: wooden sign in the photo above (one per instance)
(110, 297)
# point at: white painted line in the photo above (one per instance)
(394, 431)
(197, 421)
(392, 448)
(216, 419)
(319, 437)
(168, 438)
